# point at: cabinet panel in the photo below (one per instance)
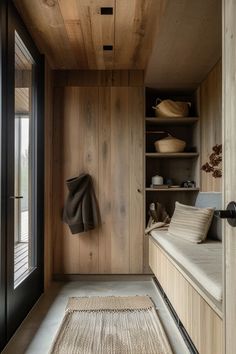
(136, 188)
(202, 323)
(80, 154)
(120, 175)
(101, 131)
(105, 180)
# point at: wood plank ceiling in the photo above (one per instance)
(23, 70)
(187, 46)
(72, 33)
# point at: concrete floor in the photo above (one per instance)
(37, 332)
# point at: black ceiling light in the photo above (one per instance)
(106, 10)
(108, 47)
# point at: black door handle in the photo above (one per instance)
(16, 197)
(229, 213)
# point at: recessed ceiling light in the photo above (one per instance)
(106, 10)
(108, 47)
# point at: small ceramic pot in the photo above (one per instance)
(157, 180)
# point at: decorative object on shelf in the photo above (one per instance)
(157, 180)
(159, 218)
(214, 165)
(159, 186)
(171, 109)
(188, 184)
(170, 144)
(169, 181)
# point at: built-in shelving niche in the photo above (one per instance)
(177, 166)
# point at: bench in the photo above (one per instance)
(192, 283)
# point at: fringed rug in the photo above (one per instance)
(111, 325)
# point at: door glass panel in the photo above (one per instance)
(24, 260)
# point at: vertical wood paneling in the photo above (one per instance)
(211, 123)
(202, 322)
(229, 180)
(99, 130)
(80, 154)
(48, 126)
(105, 182)
(57, 185)
(136, 188)
(71, 163)
(120, 171)
(88, 121)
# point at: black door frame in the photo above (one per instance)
(3, 105)
(23, 302)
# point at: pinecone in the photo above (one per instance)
(215, 160)
(217, 149)
(217, 174)
(207, 167)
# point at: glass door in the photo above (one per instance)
(23, 197)
(24, 175)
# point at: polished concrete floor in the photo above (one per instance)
(36, 334)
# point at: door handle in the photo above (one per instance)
(16, 197)
(229, 214)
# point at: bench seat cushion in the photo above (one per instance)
(202, 261)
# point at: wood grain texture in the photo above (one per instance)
(57, 176)
(120, 174)
(23, 78)
(135, 27)
(100, 130)
(211, 123)
(229, 180)
(22, 97)
(48, 200)
(71, 33)
(105, 181)
(202, 322)
(80, 154)
(187, 45)
(101, 78)
(136, 185)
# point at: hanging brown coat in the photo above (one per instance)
(81, 211)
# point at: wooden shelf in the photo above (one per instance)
(171, 121)
(174, 155)
(180, 189)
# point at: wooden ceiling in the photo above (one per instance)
(177, 42)
(187, 45)
(72, 33)
(23, 61)
(22, 100)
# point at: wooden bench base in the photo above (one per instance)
(202, 322)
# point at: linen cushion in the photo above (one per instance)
(213, 200)
(190, 223)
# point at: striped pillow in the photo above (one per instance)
(190, 223)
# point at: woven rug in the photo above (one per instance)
(111, 325)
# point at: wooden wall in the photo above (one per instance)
(98, 128)
(211, 123)
(48, 127)
(229, 180)
(107, 78)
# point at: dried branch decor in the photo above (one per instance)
(214, 165)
